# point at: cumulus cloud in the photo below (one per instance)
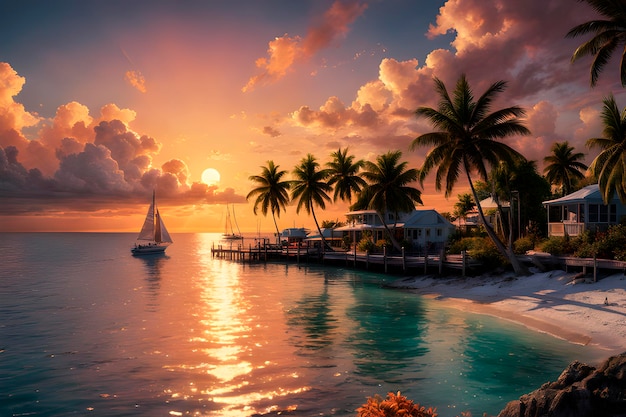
(522, 43)
(283, 52)
(83, 162)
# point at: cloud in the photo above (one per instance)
(80, 162)
(271, 131)
(522, 43)
(283, 52)
(137, 80)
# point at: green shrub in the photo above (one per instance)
(481, 249)
(365, 245)
(524, 244)
(556, 245)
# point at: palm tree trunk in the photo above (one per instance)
(318, 229)
(517, 266)
(394, 242)
(277, 231)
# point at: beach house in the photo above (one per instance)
(582, 210)
(423, 230)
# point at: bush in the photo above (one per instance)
(556, 245)
(607, 245)
(365, 245)
(394, 405)
(481, 249)
(524, 244)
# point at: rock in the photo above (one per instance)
(580, 391)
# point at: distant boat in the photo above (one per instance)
(153, 237)
(229, 232)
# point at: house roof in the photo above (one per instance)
(490, 203)
(590, 192)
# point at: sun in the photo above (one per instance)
(210, 176)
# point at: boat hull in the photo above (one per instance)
(148, 249)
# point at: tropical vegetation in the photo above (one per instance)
(388, 190)
(468, 140)
(609, 167)
(272, 192)
(608, 36)
(563, 167)
(310, 188)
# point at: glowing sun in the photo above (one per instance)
(210, 176)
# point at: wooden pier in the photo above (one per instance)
(377, 261)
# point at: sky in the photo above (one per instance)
(102, 102)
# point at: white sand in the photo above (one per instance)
(554, 302)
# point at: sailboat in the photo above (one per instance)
(229, 233)
(153, 237)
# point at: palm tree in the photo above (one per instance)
(608, 36)
(468, 140)
(344, 175)
(609, 167)
(387, 190)
(310, 188)
(464, 206)
(563, 167)
(272, 193)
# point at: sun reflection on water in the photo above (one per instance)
(232, 365)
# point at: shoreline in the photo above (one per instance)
(557, 303)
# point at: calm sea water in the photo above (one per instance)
(88, 329)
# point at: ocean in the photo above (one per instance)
(88, 329)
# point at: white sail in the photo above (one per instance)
(165, 236)
(147, 231)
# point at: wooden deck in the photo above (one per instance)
(387, 263)
(405, 263)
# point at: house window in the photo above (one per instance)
(600, 213)
(604, 214)
(427, 232)
(439, 232)
(593, 213)
(613, 213)
(414, 233)
(419, 232)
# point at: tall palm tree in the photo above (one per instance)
(609, 167)
(468, 139)
(272, 193)
(344, 175)
(564, 167)
(388, 190)
(608, 35)
(311, 189)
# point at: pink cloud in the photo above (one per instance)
(283, 52)
(522, 43)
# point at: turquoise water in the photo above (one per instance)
(85, 328)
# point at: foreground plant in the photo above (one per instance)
(394, 405)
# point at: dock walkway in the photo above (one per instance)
(378, 261)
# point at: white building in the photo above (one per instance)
(425, 230)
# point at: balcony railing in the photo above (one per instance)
(563, 228)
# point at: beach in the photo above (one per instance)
(562, 304)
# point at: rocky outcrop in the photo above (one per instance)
(580, 391)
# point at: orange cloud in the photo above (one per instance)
(283, 52)
(137, 80)
(79, 162)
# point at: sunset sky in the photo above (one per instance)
(100, 102)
